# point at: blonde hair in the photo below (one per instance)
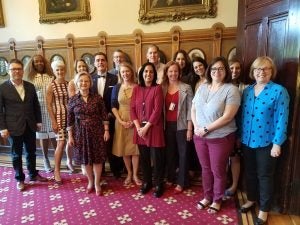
(260, 61)
(127, 65)
(83, 73)
(57, 63)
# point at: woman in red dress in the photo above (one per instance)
(146, 112)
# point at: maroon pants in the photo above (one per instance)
(213, 154)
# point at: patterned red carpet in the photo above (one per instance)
(49, 203)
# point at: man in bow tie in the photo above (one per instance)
(103, 83)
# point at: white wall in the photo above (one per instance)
(112, 16)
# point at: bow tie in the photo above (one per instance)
(101, 76)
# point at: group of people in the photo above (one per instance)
(158, 119)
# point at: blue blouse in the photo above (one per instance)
(264, 118)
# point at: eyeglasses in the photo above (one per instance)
(215, 69)
(16, 69)
(259, 70)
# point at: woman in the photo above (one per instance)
(88, 130)
(57, 100)
(146, 113)
(184, 62)
(39, 73)
(197, 75)
(235, 67)
(194, 79)
(123, 138)
(178, 123)
(213, 110)
(264, 119)
(79, 66)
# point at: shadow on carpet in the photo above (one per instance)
(49, 203)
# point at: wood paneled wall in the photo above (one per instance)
(215, 41)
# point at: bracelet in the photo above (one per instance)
(205, 130)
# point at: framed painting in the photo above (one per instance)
(89, 60)
(152, 11)
(3, 66)
(64, 11)
(1, 15)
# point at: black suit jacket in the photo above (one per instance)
(16, 113)
(110, 82)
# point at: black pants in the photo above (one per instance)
(158, 164)
(176, 151)
(259, 171)
(28, 139)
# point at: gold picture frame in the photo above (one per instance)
(152, 11)
(64, 11)
(1, 15)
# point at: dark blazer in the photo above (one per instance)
(111, 81)
(15, 113)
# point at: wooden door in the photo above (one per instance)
(272, 28)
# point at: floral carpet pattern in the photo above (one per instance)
(49, 203)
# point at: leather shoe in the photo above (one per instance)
(39, 178)
(146, 187)
(20, 186)
(159, 190)
(246, 209)
(260, 222)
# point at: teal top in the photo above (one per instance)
(264, 118)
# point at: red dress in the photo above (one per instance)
(88, 130)
(147, 105)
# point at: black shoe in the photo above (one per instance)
(159, 190)
(246, 209)
(260, 222)
(146, 187)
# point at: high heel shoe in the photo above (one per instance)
(246, 209)
(260, 221)
(99, 192)
(137, 181)
(59, 182)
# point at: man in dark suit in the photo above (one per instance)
(103, 83)
(20, 118)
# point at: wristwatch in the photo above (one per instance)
(205, 130)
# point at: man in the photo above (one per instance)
(103, 83)
(20, 118)
(118, 58)
(153, 57)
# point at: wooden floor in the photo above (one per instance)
(273, 218)
(246, 219)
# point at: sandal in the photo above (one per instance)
(127, 181)
(213, 209)
(137, 181)
(201, 205)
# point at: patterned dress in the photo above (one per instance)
(123, 138)
(41, 82)
(87, 120)
(59, 106)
